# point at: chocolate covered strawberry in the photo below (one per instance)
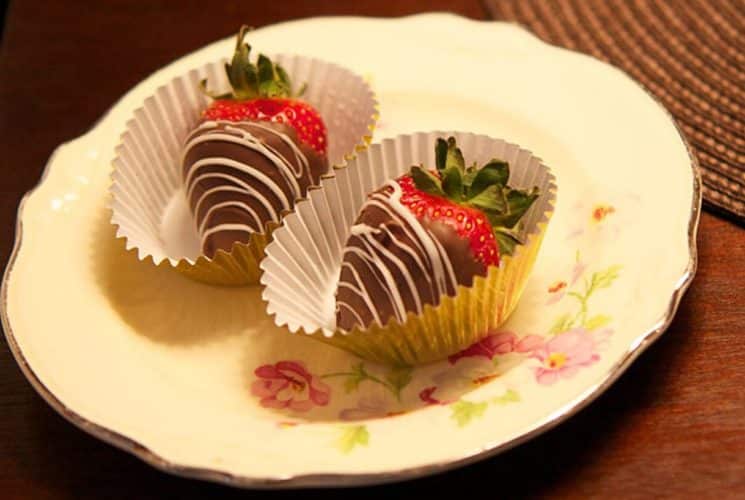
(263, 91)
(255, 152)
(422, 235)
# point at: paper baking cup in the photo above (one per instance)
(149, 203)
(301, 270)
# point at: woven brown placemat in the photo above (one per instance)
(690, 54)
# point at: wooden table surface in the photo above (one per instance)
(673, 425)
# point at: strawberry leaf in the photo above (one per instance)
(241, 73)
(441, 153)
(518, 202)
(237, 73)
(271, 89)
(283, 76)
(301, 90)
(484, 189)
(489, 200)
(426, 182)
(470, 175)
(507, 241)
(241, 35)
(266, 69)
(213, 95)
(452, 183)
(454, 157)
(495, 172)
(250, 81)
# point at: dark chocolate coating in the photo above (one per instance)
(398, 243)
(261, 147)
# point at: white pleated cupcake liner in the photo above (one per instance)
(149, 202)
(302, 264)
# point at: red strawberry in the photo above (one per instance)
(263, 91)
(475, 202)
(468, 222)
(419, 237)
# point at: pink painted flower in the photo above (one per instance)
(453, 380)
(528, 344)
(498, 344)
(577, 271)
(603, 218)
(488, 347)
(600, 212)
(287, 384)
(557, 290)
(427, 396)
(565, 354)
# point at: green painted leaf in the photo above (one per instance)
(510, 396)
(495, 172)
(604, 279)
(562, 324)
(351, 384)
(353, 436)
(597, 321)
(356, 376)
(425, 181)
(399, 377)
(465, 411)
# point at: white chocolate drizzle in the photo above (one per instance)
(291, 169)
(430, 258)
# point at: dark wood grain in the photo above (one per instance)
(673, 425)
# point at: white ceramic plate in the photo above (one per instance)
(197, 380)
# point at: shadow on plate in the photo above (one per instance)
(161, 304)
(293, 378)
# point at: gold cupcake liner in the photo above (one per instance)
(451, 326)
(148, 201)
(238, 267)
(302, 265)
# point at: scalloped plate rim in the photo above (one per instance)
(130, 445)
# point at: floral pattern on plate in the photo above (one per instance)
(185, 354)
(366, 391)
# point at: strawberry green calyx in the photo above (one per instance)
(265, 79)
(483, 188)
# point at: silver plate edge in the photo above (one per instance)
(346, 480)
